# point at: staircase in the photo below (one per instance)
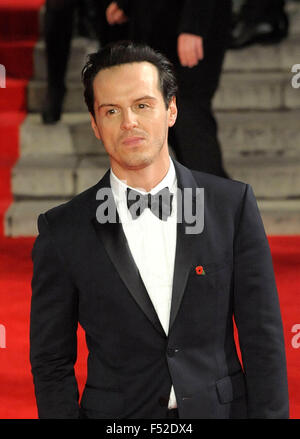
(257, 109)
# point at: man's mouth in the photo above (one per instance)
(133, 140)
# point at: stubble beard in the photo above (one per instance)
(140, 157)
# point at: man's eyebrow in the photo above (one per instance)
(136, 100)
(107, 105)
(145, 97)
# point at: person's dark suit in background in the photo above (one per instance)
(159, 24)
(58, 28)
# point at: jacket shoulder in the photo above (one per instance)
(220, 187)
(72, 212)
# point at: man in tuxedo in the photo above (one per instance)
(154, 261)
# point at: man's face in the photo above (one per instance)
(131, 118)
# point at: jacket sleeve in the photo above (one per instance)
(196, 17)
(53, 330)
(257, 316)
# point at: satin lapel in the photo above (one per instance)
(187, 245)
(115, 243)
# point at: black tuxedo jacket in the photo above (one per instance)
(84, 272)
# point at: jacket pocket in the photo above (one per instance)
(108, 402)
(231, 387)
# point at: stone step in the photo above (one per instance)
(264, 58)
(21, 217)
(72, 135)
(73, 102)
(280, 217)
(44, 176)
(248, 91)
(277, 57)
(242, 134)
(270, 179)
(262, 135)
(256, 91)
(59, 175)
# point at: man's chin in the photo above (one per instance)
(137, 163)
(137, 160)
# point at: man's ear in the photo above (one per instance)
(172, 110)
(94, 127)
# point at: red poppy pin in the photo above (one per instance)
(200, 270)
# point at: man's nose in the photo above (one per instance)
(129, 120)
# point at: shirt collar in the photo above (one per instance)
(119, 187)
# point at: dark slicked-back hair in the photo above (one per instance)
(125, 52)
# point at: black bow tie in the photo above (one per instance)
(160, 204)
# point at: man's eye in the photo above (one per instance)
(141, 106)
(111, 111)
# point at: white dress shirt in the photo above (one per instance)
(152, 243)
